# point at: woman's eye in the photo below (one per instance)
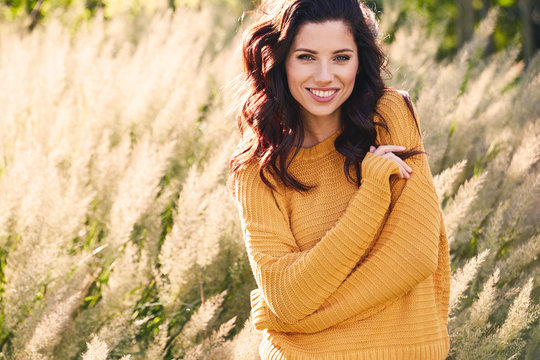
(305, 57)
(343, 58)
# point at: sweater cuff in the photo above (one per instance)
(378, 167)
(258, 311)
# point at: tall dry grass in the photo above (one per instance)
(479, 115)
(119, 239)
(115, 219)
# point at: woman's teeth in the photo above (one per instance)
(323, 94)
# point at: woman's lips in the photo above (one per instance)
(322, 95)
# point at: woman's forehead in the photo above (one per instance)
(323, 37)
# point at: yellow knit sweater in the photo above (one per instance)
(347, 272)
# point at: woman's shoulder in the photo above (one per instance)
(396, 101)
(248, 178)
(400, 116)
(247, 175)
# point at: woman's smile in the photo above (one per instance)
(322, 95)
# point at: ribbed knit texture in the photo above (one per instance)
(347, 272)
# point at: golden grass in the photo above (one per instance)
(120, 239)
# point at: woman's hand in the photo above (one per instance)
(387, 151)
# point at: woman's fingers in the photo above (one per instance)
(401, 162)
(405, 169)
(387, 151)
(388, 148)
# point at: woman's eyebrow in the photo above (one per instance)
(314, 52)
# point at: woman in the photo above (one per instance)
(340, 217)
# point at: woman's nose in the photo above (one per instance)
(323, 73)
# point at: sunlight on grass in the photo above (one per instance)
(119, 238)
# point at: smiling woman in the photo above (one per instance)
(341, 221)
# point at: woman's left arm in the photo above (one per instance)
(405, 254)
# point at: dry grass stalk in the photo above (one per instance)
(462, 277)
(520, 315)
(456, 211)
(97, 350)
(443, 182)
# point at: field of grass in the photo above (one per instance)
(119, 239)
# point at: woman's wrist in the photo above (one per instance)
(378, 167)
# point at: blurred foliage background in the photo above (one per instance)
(518, 21)
(118, 238)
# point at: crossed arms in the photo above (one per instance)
(309, 291)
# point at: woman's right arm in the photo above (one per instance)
(295, 283)
(406, 252)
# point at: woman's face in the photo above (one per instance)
(321, 67)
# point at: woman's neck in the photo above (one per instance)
(318, 129)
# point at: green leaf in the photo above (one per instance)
(506, 3)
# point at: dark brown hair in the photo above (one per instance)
(271, 114)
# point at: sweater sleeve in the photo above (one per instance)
(295, 283)
(405, 253)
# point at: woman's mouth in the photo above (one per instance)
(322, 95)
